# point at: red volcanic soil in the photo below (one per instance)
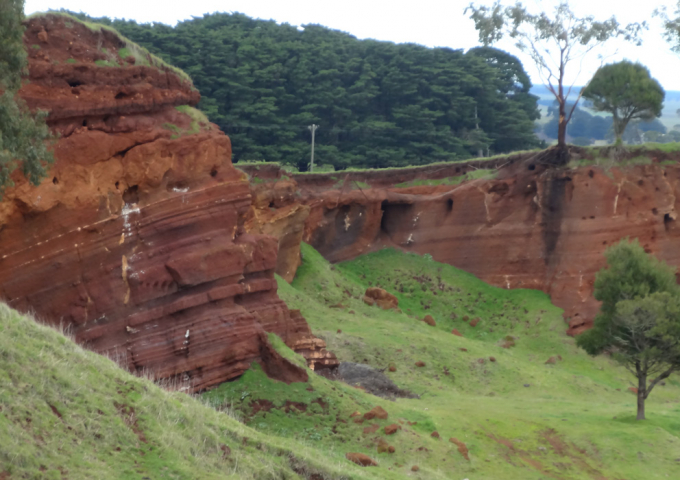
(526, 226)
(137, 238)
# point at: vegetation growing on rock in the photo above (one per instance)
(23, 135)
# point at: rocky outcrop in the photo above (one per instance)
(276, 212)
(522, 225)
(137, 239)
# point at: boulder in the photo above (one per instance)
(392, 429)
(380, 297)
(376, 412)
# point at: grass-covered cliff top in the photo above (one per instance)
(129, 48)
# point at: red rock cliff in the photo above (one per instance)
(523, 226)
(136, 240)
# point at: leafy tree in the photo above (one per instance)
(379, 104)
(671, 26)
(552, 43)
(627, 91)
(22, 135)
(639, 320)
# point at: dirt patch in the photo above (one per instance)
(561, 448)
(462, 448)
(322, 404)
(55, 411)
(371, 429)
(260, 405)
(127, 412)
(367, 378)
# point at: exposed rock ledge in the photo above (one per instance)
(137, 238)
(525, 226)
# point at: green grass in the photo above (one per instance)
(106, 63)
(172, 127)
(69, 413)
(573, 421)
(485, 173)
(71, 60)
(198, 118)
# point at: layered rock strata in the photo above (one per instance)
(136, 241)
(521, 225)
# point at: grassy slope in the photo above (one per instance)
(69, 413)
(575, 420)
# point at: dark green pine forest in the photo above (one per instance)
(378, 104)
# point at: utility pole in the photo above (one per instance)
(480, 151)
(312, 128)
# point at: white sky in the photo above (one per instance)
(434, 23)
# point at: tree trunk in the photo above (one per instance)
(619, 127)
(641, 394)
(562, 126)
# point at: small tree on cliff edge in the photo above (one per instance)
(627, 91)
(22, 134)
(639, 320)
(552, 43)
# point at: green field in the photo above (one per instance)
(490, 389)
(519, 417)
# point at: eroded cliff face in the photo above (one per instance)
(137, 240)
(520, 226)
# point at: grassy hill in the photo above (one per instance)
(69, 413)
(491, 389)
(500, 411)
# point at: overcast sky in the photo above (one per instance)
(434, 23)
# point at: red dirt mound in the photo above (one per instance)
(361, 459)
(380, 297)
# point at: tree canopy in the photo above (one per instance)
(552, 42)
(639, 320)
(627, 91)
(378, 104)
(22, 135)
